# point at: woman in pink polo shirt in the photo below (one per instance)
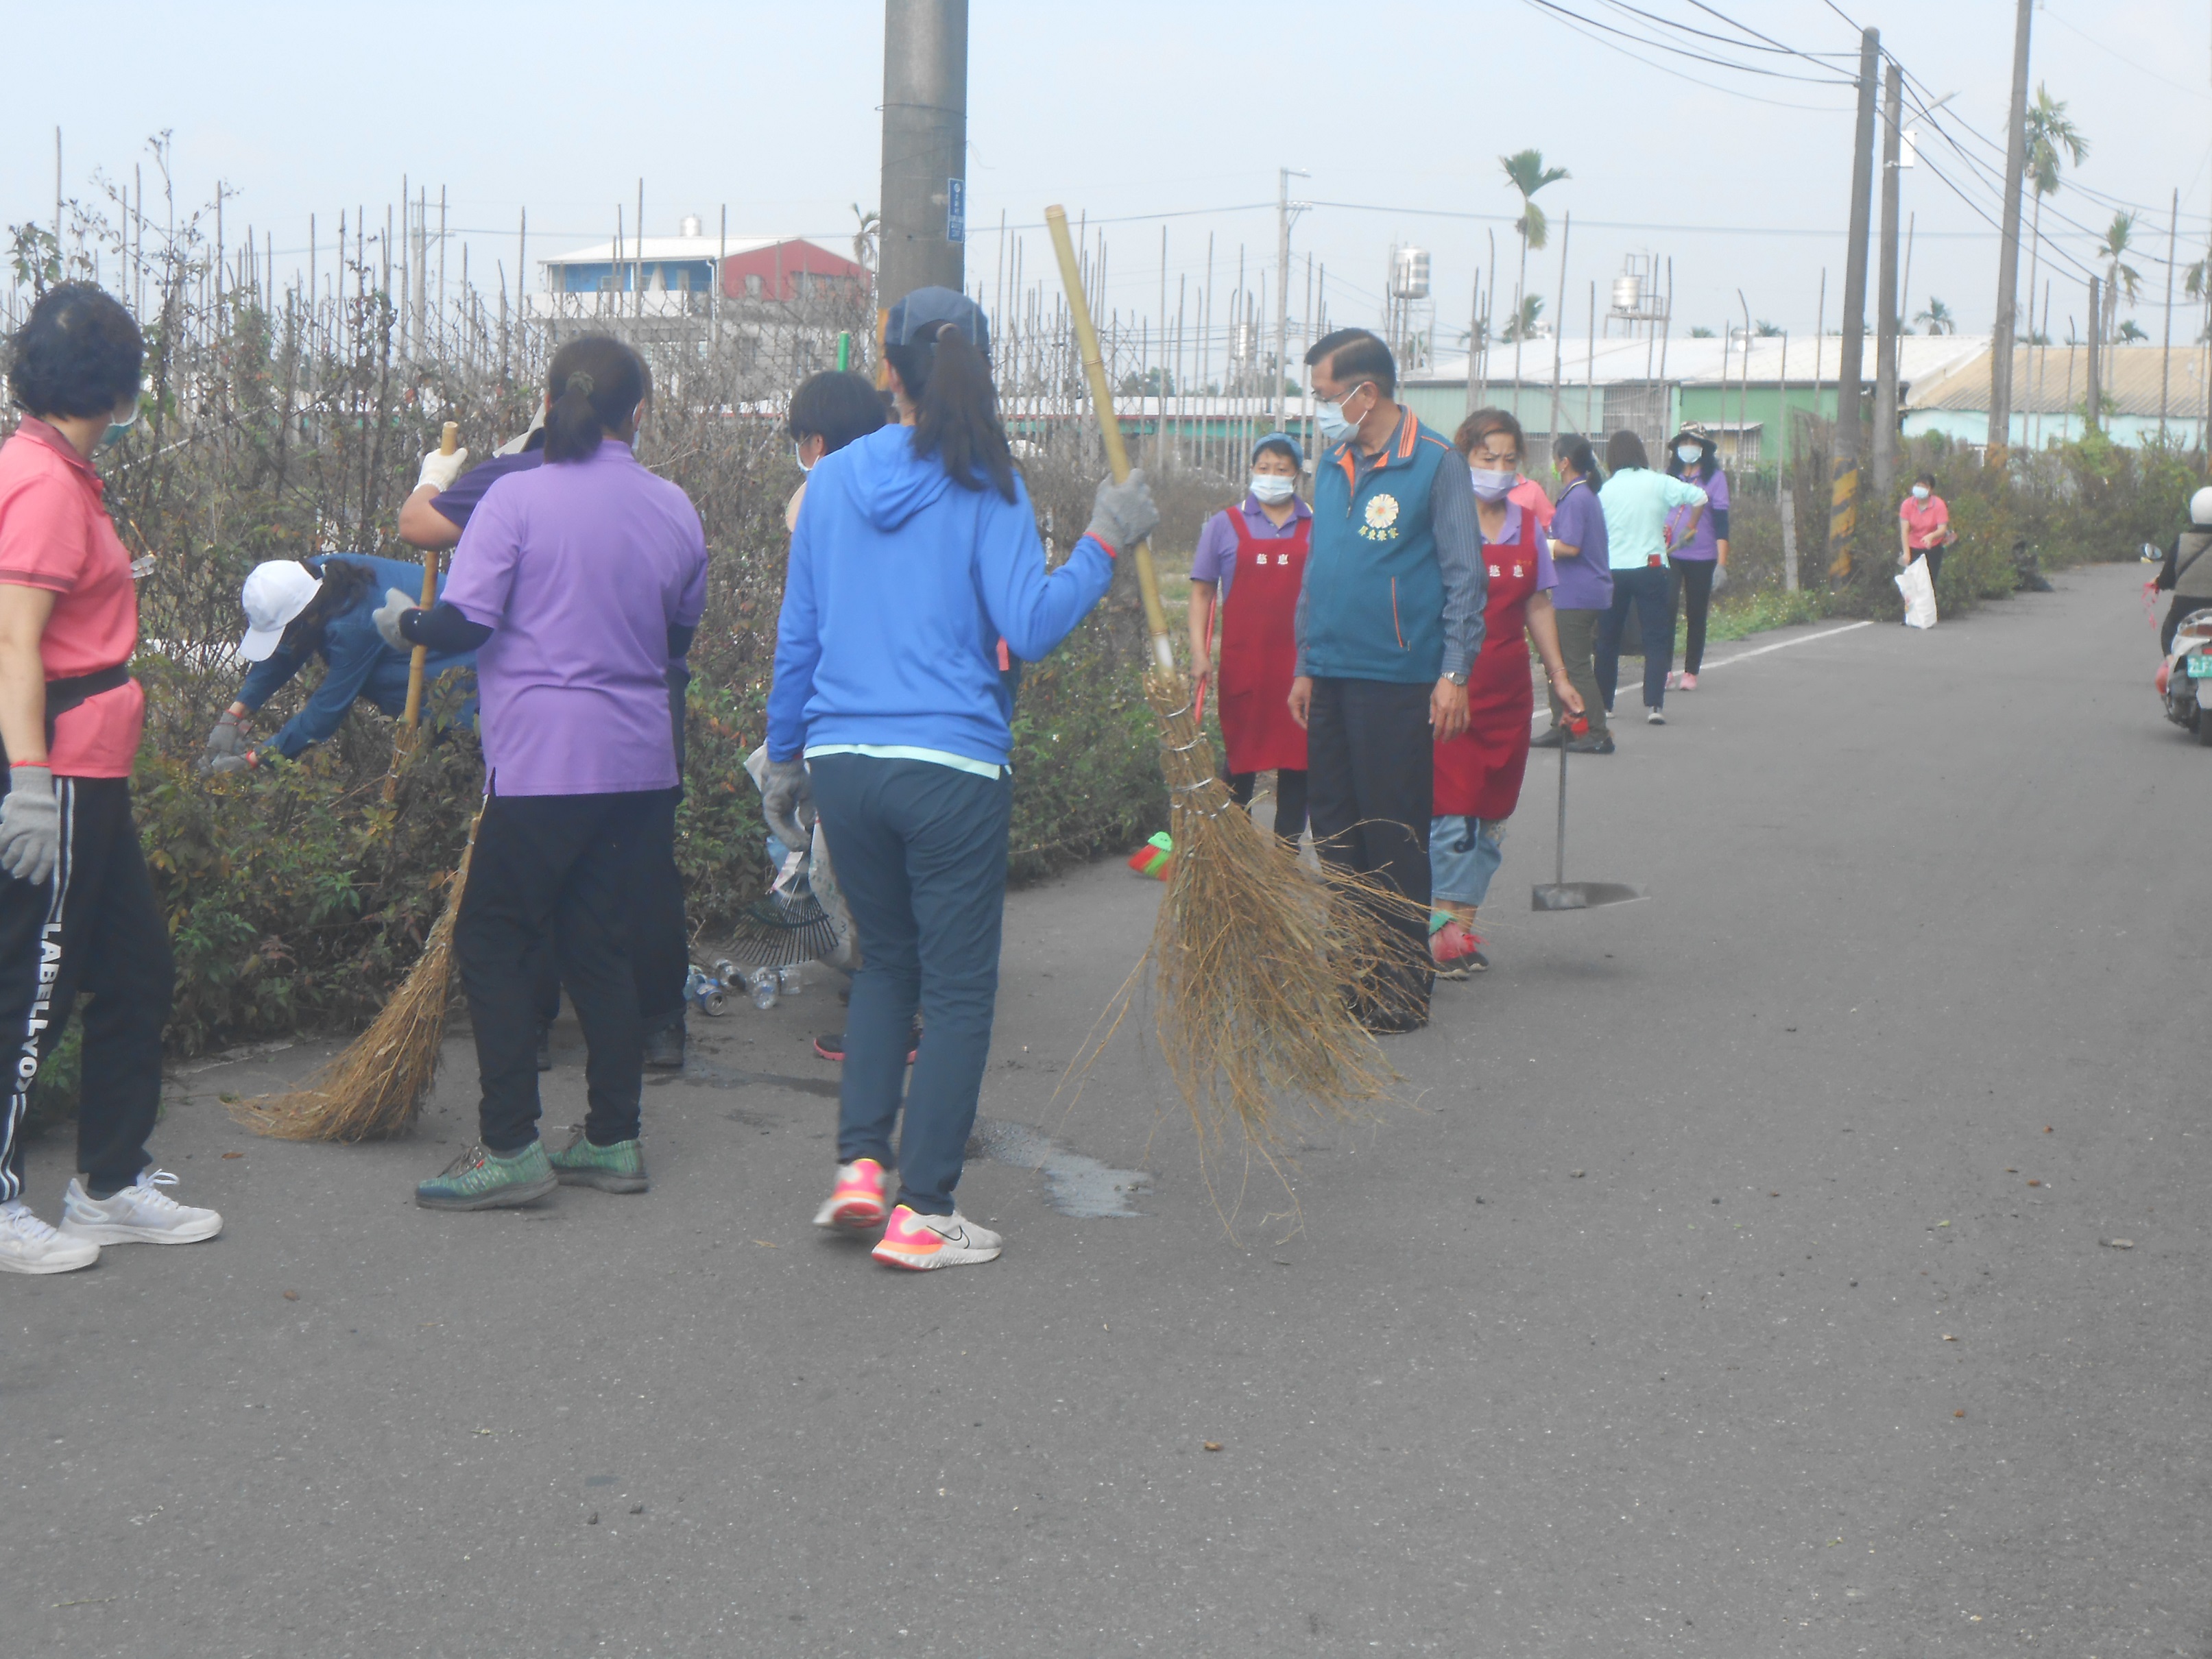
(1923, 527)
(77, 909)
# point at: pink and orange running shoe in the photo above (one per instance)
(856, 1202)
(919, 1242)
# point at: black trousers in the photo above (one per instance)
(1290, 800)
(94, 926)
(1692, 587)
(569, 865)
(660, 941)
(1645, 588)
(1371, 787)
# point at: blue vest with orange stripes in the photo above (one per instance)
(1374, 601)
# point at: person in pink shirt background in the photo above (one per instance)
(1923, 527)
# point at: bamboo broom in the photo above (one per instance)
(1257, 955)
(373, 1089)
(411, 718)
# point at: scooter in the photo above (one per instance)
(2184, 678)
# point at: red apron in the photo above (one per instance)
(1260, 649)
(1478, 772)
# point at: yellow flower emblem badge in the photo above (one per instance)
(1382, 512)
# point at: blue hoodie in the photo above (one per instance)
(900, 587)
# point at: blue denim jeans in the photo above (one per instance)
(921, 851)
(1464, 853)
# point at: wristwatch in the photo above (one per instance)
(1458, 679)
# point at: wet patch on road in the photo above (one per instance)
(1075, 1184)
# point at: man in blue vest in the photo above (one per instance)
(1390, 622)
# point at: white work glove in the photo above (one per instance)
(396, 603)
(30, 826)
(1123, 514)
(788, 803)
(440, 470)
(1720, 577)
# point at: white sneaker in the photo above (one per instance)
(922, 1241)
(28, 1245)
(139, 1214)
(1653, 717)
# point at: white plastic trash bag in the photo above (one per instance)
(1919, 592)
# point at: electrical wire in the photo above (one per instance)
(1709, 86)
(1555, 8)
(1769, 43)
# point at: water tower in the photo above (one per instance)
(1410, 315)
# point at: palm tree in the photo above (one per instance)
(868, 223)
(2119, 275)
(2049, 132)
(1938, 318)
(1767, 330)
(1525, 320)
(1526, 172)
(2132, 332)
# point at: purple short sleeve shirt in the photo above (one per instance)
(1705, 543)
(580, 568)
(471, 487)
(1216, 559)
(1586, 579)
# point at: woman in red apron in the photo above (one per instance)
(1478, 776)
(1251, 559)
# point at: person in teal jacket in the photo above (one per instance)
(1389, 621)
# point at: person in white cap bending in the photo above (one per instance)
(299, 609)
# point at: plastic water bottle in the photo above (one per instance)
(793, 978)
(765, 988)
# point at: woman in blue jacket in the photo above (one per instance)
(297, 609)
(914, 554)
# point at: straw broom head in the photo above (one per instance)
(374, 1088)
(1257, 958)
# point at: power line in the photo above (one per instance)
(1559, 10)
(1709, 86)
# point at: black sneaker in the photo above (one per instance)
(1550, 739)
(664, 1048)
(1598, 742)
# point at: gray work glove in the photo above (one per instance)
(788, 803)
(30, 826)
(396, 605)
(1720, 577)
(1123, 514)
(224, 765)
(228, 738)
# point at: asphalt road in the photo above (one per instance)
(1700, 1297)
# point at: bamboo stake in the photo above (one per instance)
(410, 717)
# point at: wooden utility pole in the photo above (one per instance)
(1885, 350)
(2001, 338)
(925, 172)
(1843, 500)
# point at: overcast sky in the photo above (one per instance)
(1135, 111)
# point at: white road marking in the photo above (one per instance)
(1783, 645)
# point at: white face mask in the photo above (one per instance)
(1492, 486)
(1920, 492)
(1273, 487)
(799, 454)
(1687, 454)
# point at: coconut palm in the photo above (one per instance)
(1938, 318)
(2119, 275)
(2050, 132)
(2132, 332)
(1526, 172)
(1526, 322)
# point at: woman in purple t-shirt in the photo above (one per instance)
(1696, 546)
(1584, 593)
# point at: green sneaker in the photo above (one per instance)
(616, 1168)
(480, 1179)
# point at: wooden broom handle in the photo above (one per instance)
(1109, 426)
(412, 716)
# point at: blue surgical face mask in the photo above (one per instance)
(119, 429)
(1328, 416)
(1920, 492)
(1273, 487)
(799, 454)
(1687, 454)
(1492, 486)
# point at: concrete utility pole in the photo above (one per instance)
(1843, 501)
(922, 232)
(2001, 338)
(2095, 401)
(1885, 350)
(1285, 210)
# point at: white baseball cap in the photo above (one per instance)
(274, 593)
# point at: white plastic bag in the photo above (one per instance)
(1919, 592)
